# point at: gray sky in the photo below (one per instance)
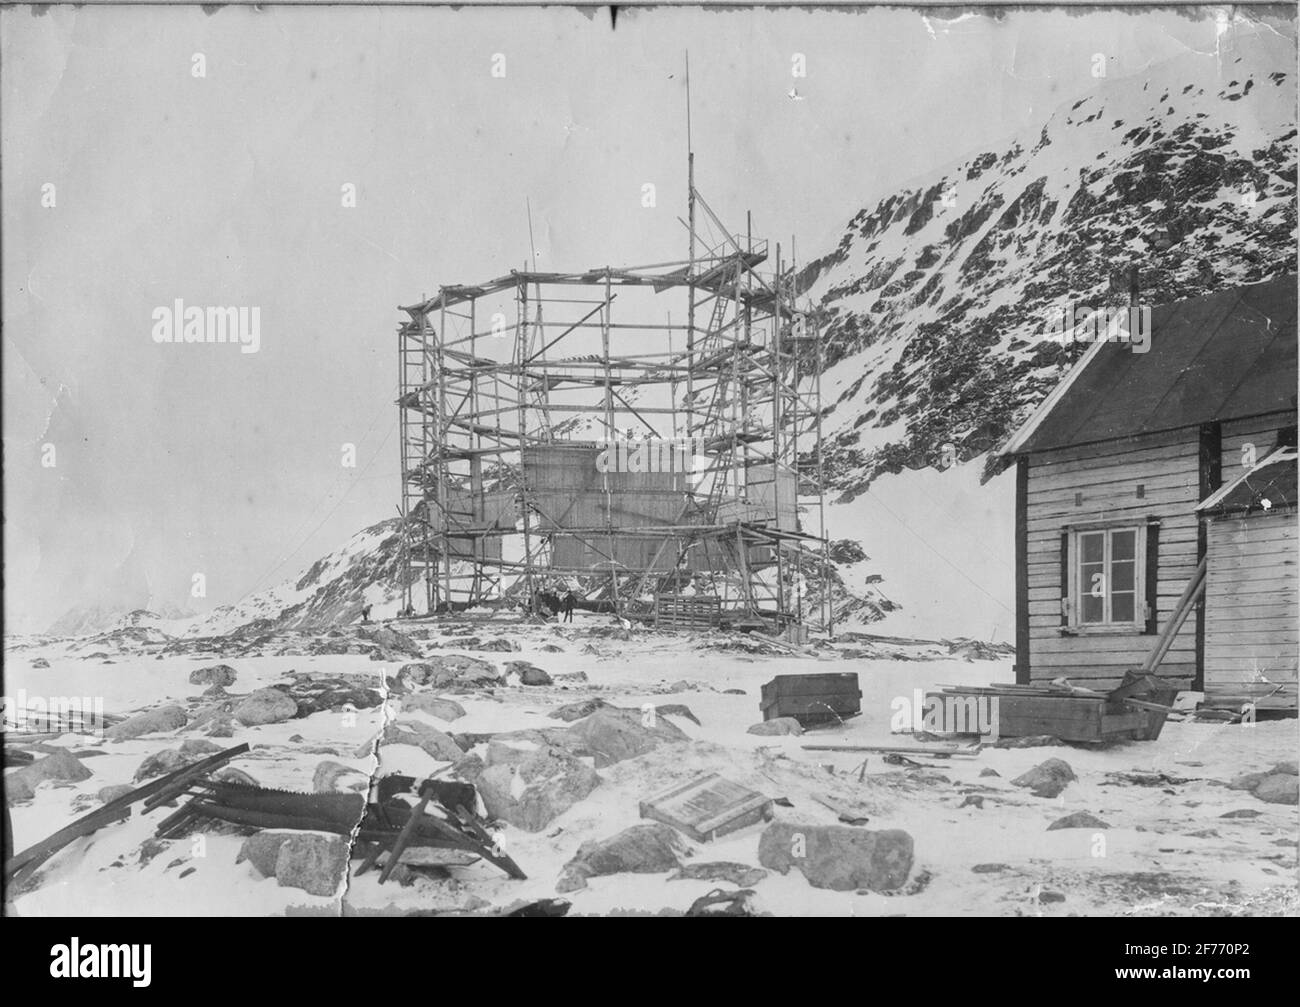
(225, 190)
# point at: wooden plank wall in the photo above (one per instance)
(1252, 645)
(1261, 431)
(1100, 483)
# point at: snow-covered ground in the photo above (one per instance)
(1168, 849)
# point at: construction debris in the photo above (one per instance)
(388, 827)
(23, 865)
(938, 752)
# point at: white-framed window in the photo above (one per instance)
(1107, 578)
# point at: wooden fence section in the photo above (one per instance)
(678, 611)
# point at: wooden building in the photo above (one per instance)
(1252, 634)
(1110, 472)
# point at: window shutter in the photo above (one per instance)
(1065, 578)
(1153, 552)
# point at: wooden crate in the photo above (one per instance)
(1071, 718)
(707, 807)
(812, 699)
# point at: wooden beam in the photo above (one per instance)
(1194, 588)
(1210, 473)
(1022, 570)
(404, 837)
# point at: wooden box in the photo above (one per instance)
(812, 699)
(707, 807)
(1071, 718)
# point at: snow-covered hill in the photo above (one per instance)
(108, 614)
(937, 297)
(364, 570)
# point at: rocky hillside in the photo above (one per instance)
(365, 570)
(937, 296)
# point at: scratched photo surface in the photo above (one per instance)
(652, 461)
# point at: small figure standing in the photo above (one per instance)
(365, 613)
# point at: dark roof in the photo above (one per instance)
(1272, 480)
(1224, 356)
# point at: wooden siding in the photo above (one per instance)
(1252, 641)
(1261, 431)
(1098, 483)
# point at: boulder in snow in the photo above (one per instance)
(331, 777)
(422, 735)
(440, 671)
(838, 857)
(777, 725)
(215, 674)
(576, 711)
(612, 734)
(316, 862)
(21, 784)
(532, 792)
(163, 719)
(1078, 820)
(529, 674)
(435, 706)
(641, 849)
(1278, 788)
(1047, 779)
(262, 849)
(167, 761)
(266, 706)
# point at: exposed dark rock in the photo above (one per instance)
(1047, 779)
(1078, 820)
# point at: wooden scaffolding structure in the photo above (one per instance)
(511, 389)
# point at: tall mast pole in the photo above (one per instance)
(690, 272)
